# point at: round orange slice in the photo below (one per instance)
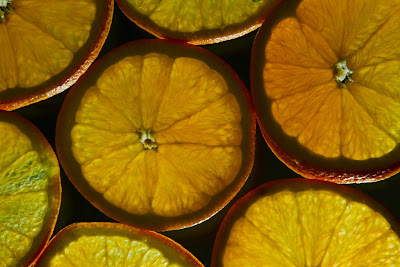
(198, 22)
(46, 46)
(298, 222)
(30, 191)
(326, 88)
(159, 135)
(113, 244)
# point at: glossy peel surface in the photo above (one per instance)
(27, 174)
(357, 117)
(192, 119)
(310, 227)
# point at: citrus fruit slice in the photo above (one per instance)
(198, 22)
(30, 191)
(326, 88)
(46, 45)
(159, 135)
(298, 222)
(113, 244)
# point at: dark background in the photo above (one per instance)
(198, 239)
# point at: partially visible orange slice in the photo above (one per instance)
(46, 46)
(158, 134)
(298, 222)
(30, 191)
(326, 88)
(113, 244)
(198, 22)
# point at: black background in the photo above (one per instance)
(198, 239)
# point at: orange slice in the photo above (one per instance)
(198, 22)
(47, 45)
(298, 222)
(159, 135)
(113, 244)
(326, 88)
(30, 191)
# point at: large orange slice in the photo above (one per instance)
(298, 222)
(198, 22)
(30, 191)
(113, 244)
(158, 134)
(46, 46)
(326, 88)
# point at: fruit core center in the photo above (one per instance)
(342, 74)
(148, 139)
(5, 8)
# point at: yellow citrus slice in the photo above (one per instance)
(298, 222)
(159, 135)
(326, 88)
(198, 21)
(113, 244)
(30, 191)
(46, 45)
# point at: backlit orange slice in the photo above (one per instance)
(46, 46)
(300, 222)
(326, 88)
(30, 191)
(198, 21)
(113, 244)
(158, 135)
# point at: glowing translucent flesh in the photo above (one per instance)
(196, 15)
(110, 251)
(360, 121)
(196, 123)
(39, 39)
(311, 228)
(24, 180)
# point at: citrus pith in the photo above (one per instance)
(159, 135)
(298, 222)
(113, 244)
(47, 45)
(30, 191)
(198, 22)
(325, 88)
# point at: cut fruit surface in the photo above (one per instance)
(159, 135)
(198, 22)
(325, 88)
(47, 45)
(298, 222)
(113, 244)
(30, 191)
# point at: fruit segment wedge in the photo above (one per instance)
(165, 137)
(47, 45)
(30, 191)
(299, 222)
(113, 244)
(198, 22)
(330, 82)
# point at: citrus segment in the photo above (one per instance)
(183, 128)
(47, 46)
(29, 191)
(329, 82)
(198, 22)
(111, 244)
(306, 223)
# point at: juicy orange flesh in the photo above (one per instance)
(311, 228)
(196, 126)
(39, 39)
(359, 120)
(24, 200)
(110, 251)
(196, 15)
